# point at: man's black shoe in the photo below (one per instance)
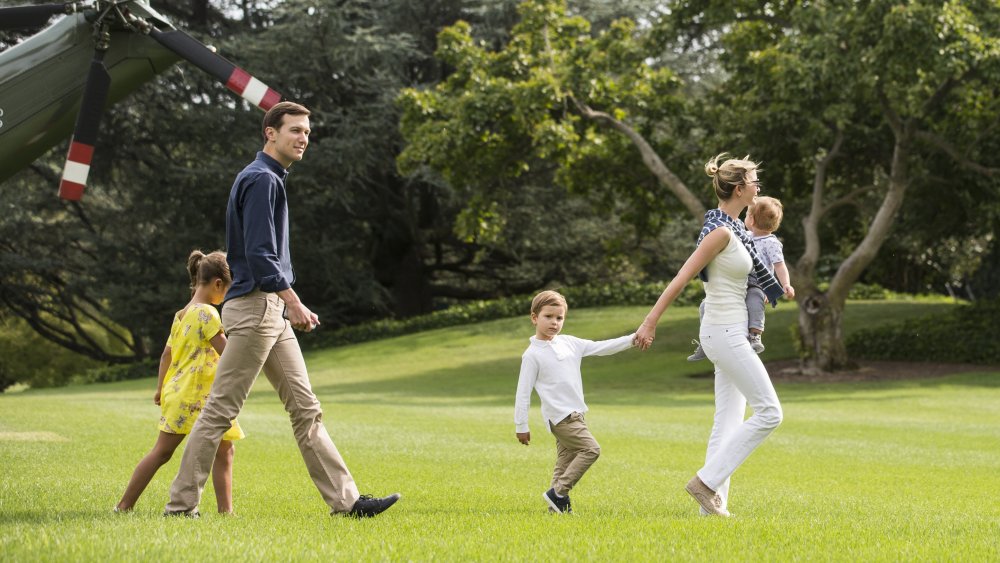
(185, 513)
(368, 506)
(560, 505)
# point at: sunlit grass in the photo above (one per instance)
(900, 470)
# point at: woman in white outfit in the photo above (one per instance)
(724, 257)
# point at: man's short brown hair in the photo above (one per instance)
(275, 116)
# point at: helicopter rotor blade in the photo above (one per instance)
(81, 147)
(234, 77)
(22, 17)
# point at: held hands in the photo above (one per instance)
(644, 336)
(301, 317)
(523, 437)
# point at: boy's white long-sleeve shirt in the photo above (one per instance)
(552, 369)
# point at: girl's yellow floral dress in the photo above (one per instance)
(192, 370)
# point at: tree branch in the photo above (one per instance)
(899, 180)
(806, 265)
(649, 158)
(895, 122)
(847, 199)
(954, 153)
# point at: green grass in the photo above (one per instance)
(901, 470)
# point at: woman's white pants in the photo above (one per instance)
(740, 378)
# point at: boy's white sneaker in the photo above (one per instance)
(755, 343)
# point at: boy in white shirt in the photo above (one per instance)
(551, 366)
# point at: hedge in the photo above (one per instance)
(964, 335)
(623, 294)
(118, 372)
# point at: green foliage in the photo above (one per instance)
(632, 293)
(966, 335)
(26, 357)
(508, 117)
(868, 291)
(124, 372)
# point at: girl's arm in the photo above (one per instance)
(219, 342)
(781, 272)
(709, 248)
(165, 359)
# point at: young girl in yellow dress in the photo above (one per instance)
(187, 369)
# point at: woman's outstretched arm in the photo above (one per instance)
(709, 248)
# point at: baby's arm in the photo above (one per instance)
(525, 383)
(165, 359)
(781, 272)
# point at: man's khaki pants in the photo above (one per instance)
(576, 451)
(260, 337)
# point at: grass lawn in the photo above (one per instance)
(893, 470)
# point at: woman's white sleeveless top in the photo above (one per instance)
(726, 288)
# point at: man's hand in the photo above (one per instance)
(301, 317)
(523, 437)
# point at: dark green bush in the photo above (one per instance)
(119, 372)
(623, 294)
(866, 291)
(965, 335)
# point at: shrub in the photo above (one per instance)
(965, 335)
(859, 291)
(118, 372)
(623, 294)
(27, 357)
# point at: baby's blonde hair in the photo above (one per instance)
(546, 298)
(729, 174)
(767, 213)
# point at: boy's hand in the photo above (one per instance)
(789, 291)
(523, 437)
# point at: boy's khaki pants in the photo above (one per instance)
(576, 451)
(261, 338)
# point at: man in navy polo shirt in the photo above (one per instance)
(259, 313)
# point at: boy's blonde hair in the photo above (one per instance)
(546, 298)
(767, 213)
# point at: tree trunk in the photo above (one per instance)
(821, 342)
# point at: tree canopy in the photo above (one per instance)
(474, 149)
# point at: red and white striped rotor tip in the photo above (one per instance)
(252, 90)
(74, 178)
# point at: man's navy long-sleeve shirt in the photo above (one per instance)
(257, 229)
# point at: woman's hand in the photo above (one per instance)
(644, 336)
(156, 398)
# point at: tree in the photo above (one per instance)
(856, 101)
(863, 102)
(554, 97)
